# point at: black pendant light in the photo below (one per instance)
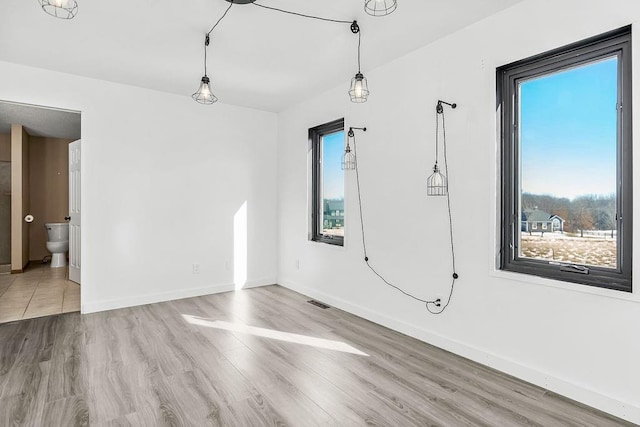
(437, 184)
(380, 7)
(63, 9)
(359, 90)
(349, 158)
(204, 95)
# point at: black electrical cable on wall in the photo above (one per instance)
(454, 276)
(428, 303)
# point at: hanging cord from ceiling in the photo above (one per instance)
(207, 37)
(359, 89)
(221, 18)
(206, 44)
(303, 15)
(359, 42)
(437, 303)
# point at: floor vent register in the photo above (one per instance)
(318, 304)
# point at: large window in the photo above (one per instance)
(327, 208)
(566, 163)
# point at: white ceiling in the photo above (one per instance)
(257, 57)
(40, 121)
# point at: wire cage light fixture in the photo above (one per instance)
(437, 182)
(204, 95)
(359, 89)
(63, 9)
(349, 157)
(380, 7)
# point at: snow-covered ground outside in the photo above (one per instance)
(588, 250)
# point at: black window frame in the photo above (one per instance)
(315, 139)
(617, 42)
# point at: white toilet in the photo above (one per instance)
(58, 243)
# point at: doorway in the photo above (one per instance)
(34, 154)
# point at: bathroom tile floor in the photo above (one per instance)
(39, 291)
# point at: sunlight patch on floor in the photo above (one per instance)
(273, 334)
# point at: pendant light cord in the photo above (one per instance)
(206, 37)
(221, 18)
(206, 43)
(436, 303)
(359, 39)
(303, 15)
(354, 27)
(446, 172)
(438, 133)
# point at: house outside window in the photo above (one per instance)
(327, 205)
(566, 189)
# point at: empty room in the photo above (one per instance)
(319, 213)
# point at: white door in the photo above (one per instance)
(74, 211)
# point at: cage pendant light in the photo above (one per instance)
(359, 89)
(437, 183)
(349, 158)
(204, 95)
(63, 9)
(380, 7)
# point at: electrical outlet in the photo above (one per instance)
(227, 266)
(196, 268)
(297, 264)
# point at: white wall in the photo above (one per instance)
(579, 341)
(162, 178)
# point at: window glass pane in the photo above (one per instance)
(332, 218)
(568, 168)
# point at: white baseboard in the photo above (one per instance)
(260, 282)
(113, 304)
(595, 399)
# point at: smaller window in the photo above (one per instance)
(544, 225)
(534, 226)
(327, 205)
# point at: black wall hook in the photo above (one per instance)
(440, 108)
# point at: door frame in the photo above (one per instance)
(69, 109)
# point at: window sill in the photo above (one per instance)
(327, 245)
(567, 286)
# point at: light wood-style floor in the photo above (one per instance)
(39, 291)
(256, 357)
